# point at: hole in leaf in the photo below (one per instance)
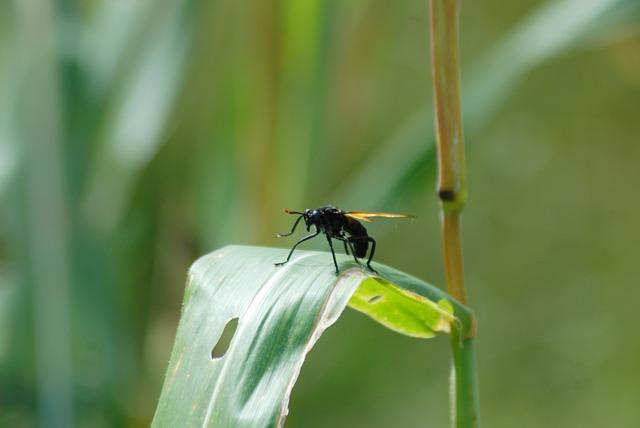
(374, 299)
(221, 347)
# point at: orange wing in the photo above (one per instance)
(367, 216)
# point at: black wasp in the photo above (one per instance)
(344, 226)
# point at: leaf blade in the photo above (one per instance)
(282, 312)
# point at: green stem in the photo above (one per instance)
(452, 193)
(464, 386)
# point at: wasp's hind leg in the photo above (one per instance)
(373, 248)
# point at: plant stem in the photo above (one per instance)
(464, 386)
(452, 193)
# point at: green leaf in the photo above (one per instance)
(401, 310)
(281, 312)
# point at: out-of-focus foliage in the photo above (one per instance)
(137, 135)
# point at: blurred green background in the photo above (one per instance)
(137, 135)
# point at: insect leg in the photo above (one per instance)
(306, 238)
(293, 229)
(333, 254)
(348, 244)
(373, 248)
(345, 242)
(353, 250)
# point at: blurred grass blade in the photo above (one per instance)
(46, 243)
(113, 32)
(13, 67)
(281, 312)
(549, 31)
(134, 131)
(302, 62)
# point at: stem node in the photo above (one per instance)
(452, 194)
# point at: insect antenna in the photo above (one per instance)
(281, 235)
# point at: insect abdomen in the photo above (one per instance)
(361, 248)
(356, 230)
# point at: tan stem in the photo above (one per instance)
(450, 142)
(452, 193)
(451, 245)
